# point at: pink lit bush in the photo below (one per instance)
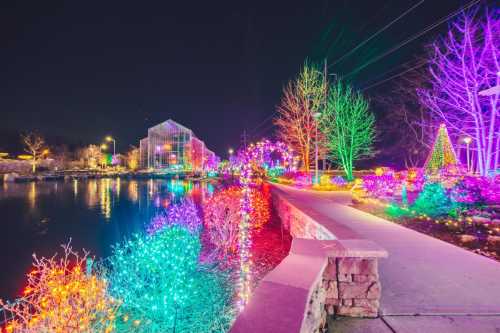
(380, 186)
(477, 190)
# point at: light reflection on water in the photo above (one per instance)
(94, 213)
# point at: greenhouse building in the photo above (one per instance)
(173, 147)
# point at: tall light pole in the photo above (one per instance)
(467, 141)
(230, 151)
(316, 173)
(109, 139)
(103, 147)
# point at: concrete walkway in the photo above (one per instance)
(427, 285)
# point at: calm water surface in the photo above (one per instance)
(94, 214)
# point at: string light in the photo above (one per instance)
(62, 296)
(442, 153)
(261, 155)
(184, 213)
(162, 286)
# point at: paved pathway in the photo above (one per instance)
(427, 285)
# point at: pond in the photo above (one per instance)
(94, 214)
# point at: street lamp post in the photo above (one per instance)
(109, 139)
(316, 172)
(103, 147)
(230, 151)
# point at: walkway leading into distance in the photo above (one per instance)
(427, 285)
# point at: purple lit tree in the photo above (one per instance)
(464, 63)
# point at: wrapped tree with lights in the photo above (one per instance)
(63, 295)
(35, 146)
(442, 153)
(163, 288)
(462, 64)
(348, 125)
(302, 99)
(92, 156)
(133, 158)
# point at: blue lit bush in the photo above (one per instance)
(433, 201)
(163, 288)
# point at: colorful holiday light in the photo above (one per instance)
(463, 63)
(222, 219)
(184, 214)
(442, 153)
(62, 296)
(433, 201)
(222, 215)
(263, 154)
(163, 288)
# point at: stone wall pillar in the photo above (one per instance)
(352, 287)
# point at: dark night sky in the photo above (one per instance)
(83, 69)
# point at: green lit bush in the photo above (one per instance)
(433, 201)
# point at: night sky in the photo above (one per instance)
(78, 70)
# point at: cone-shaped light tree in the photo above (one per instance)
(348, 125)
(442, 153)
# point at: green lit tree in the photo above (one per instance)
(348, 125)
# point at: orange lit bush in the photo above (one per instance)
(62, 296)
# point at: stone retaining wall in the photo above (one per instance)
(297, 222)
(321, 276)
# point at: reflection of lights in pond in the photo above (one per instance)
(118, 186)
(105, 197)
(150, 187)
(210, 188)
(92, 193)
(133, 192)
(32, 195)
(179, 187)
(75, 187)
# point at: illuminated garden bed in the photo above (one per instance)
(457, 208)
(182, 274)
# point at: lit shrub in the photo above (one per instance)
(433, 201)
(222, 216)
(379, 186)
(184, 214)
(63, 295)
(162, 286)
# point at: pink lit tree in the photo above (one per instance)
(464, 63)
